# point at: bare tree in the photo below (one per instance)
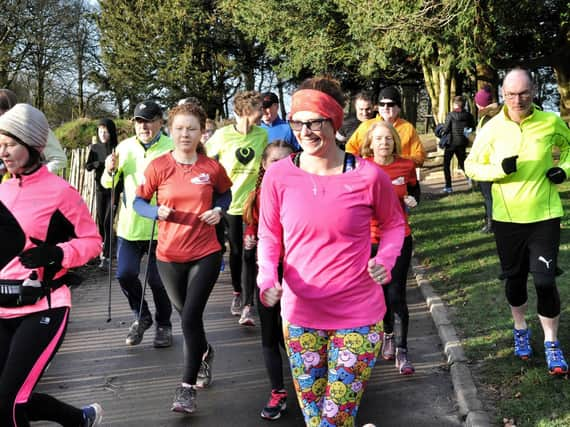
(47, 52)
(82, 41)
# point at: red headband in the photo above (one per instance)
(319, 102)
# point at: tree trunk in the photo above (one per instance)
(40, 95)
(410, 103)
(281, 100)
(439, 85)
(486, 76)
(80, 88)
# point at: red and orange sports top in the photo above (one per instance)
(402, 172)
(188, 189)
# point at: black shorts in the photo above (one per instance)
(525, 248)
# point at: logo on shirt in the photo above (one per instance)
(245, 155)
(399, 181)
(203, 178)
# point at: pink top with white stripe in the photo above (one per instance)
(46, 207)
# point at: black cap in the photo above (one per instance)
(147, 110)
(392, 94)
(269, 98)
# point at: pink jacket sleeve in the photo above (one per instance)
(270, 234)
(87, 242)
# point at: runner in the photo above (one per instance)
(44, 233)
(315, 210)
(135, 235)
(270, 317)
(238, 148)
(382, 146)
(192, 193)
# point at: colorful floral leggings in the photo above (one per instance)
(330, 370)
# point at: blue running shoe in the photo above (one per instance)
(92, 415)
(554, 358)
(522, 343)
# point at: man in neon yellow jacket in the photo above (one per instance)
(133, 231)
(514, 151)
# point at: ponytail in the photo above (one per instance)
(251, 201)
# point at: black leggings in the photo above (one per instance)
(249, 275)
(27, 345)
(103, 200)
(271, 339)
(235, 237)
(447, 156)
(485, 188)
(397, 318)
(189, 285)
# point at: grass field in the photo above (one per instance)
(463, 267)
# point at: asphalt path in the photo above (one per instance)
(135, 385)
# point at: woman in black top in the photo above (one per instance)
(107, 137)
(455, 124)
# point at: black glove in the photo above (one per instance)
(556, 175)
(510, 164)
(42, 256)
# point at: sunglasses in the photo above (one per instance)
(386, 104)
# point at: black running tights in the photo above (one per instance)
(27, 345)
(189, 286)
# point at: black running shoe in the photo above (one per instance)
(184, 400)
(136, 331)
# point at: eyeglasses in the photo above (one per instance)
(386, 104)
(522, 95)
(314, 125)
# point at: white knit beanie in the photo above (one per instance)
(26, 123)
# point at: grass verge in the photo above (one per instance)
(463, 267)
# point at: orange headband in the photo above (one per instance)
(319, 102)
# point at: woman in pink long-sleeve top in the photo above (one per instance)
(316, 208)
(46, 229)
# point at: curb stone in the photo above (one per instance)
(469, 404)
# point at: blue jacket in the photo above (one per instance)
(280, 129)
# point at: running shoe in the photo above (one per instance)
(184, 400)
(137, 330)
(276, 404)
(162, 337)
(235, 308)
(522, 343)
(205, 372)
(447, 190)
(555, 358)
(104, 263)
(402, 362)
(246, 318)
(388, 348)
(92, 415)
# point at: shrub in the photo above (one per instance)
(79, 133)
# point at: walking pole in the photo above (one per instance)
(111, 221)
(147, 267)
